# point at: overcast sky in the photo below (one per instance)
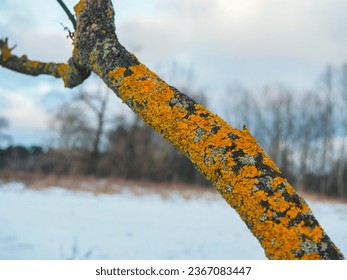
(250, 42)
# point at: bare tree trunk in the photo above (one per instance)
(341, 188)
(97, 103)
(230, 158)
(327, 128)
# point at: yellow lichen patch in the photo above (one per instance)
(316, 234)
(249, 172)
(32, 64)
(79, 7)
(247, 143)
(75, 51)
(278, 241)
(63, 70)
(110, 13)
(145, 88)
(267, 161)
(290, 190)
(277, 203)
(97, 69)
(311, 257)
(116, 74)
(293, 212)
(304, 207)
(5, 53)
(278, 181)
(260, 196)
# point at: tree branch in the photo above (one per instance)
(71, 73)
(230, 158)
(68, 13)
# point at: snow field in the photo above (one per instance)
(60, 224)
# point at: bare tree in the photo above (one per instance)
(80, 125)
(96, 102)
(4, 124)
(73, 131)
(327, 126)
(230, 158)
(342, 161)
(279, 124)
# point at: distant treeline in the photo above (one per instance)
(133, 152)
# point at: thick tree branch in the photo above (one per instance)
(230, 158)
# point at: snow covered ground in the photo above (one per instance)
(60, 224)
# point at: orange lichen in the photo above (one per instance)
(114, 75)
(63, 70)
(79, 7)
(311, 257)
(75, 52)
(5, 53)
(110, 13)
(267, 161)
(292, 212)
(32, 64)
(192, 129)
(97, 69)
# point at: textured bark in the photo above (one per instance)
(71, 72)
(230, 158)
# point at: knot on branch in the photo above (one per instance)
(73, 73)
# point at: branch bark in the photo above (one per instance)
(230, 158)
(71, 73)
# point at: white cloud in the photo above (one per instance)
(302, 33)
(22, 111)
(35, 27)
(308, 33)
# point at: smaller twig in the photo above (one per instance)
(69, 14)
(71, 34)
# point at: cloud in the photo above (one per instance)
(23, 111)
(36, 29)
(307, 33)
(301, 32)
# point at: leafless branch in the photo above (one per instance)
(69, 14)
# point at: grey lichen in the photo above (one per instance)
(263, 217)
(220, 151)
(323, 246)
(265, 183)
(247, 160)
(130, 103)
(198, 134)
(208, 160)
(273, 241)
(215, 153)
(309, 247)
(228, 188)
